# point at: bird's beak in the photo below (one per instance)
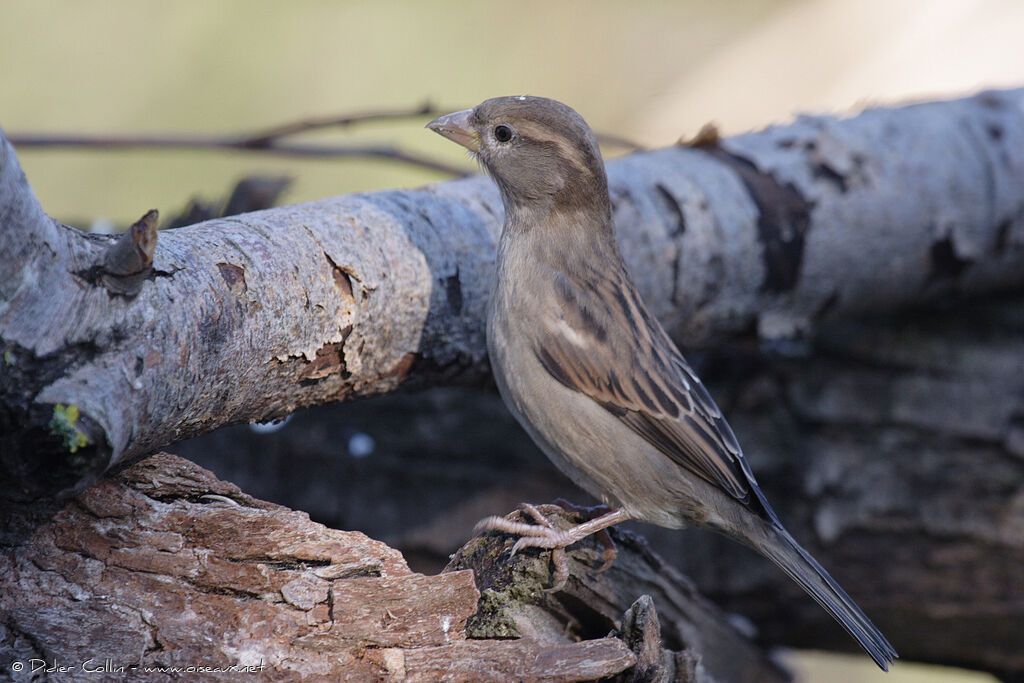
(457, 128)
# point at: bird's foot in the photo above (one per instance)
(544, 534)
(586, 514)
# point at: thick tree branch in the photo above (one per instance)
(250, 317)
(892, 447)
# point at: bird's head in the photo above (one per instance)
(540, 152)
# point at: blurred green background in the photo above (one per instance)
(653, 71)
(650, 71)
(231, 66)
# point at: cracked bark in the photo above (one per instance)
(892, 448)
(163, 565)
(249, 317)
(902, 471)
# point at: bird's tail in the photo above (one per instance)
(778, 546)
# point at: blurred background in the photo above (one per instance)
(649, 71)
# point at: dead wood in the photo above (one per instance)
(250, 317)
(163, 567)
(892, 447)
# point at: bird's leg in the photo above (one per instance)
(561, 574)
(544, 534)
(610, 552)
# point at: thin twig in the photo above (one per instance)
(242, 144)
(342, 121)
(425, 109)
(270, 139)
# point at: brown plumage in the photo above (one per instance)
(590, 373)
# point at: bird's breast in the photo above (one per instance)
(586, 442)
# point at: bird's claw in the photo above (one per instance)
(609, 552)
(543, 534)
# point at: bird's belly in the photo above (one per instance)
(587, 443)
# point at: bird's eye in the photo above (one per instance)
(502, 133)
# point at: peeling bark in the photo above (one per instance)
(163, 565)
(893, 448)
(383, 290)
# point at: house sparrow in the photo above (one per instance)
(590, 373)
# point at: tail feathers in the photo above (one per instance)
(798, 564)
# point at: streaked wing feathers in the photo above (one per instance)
(608, 347)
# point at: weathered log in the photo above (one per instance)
(163, 567)
(515, 602)
(251, 317)
(893, 448)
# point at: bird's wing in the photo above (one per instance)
(607, 346)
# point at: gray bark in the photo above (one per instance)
(250, 317)
(892, 448)
(895, 453)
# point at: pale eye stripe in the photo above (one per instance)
(570, 152)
